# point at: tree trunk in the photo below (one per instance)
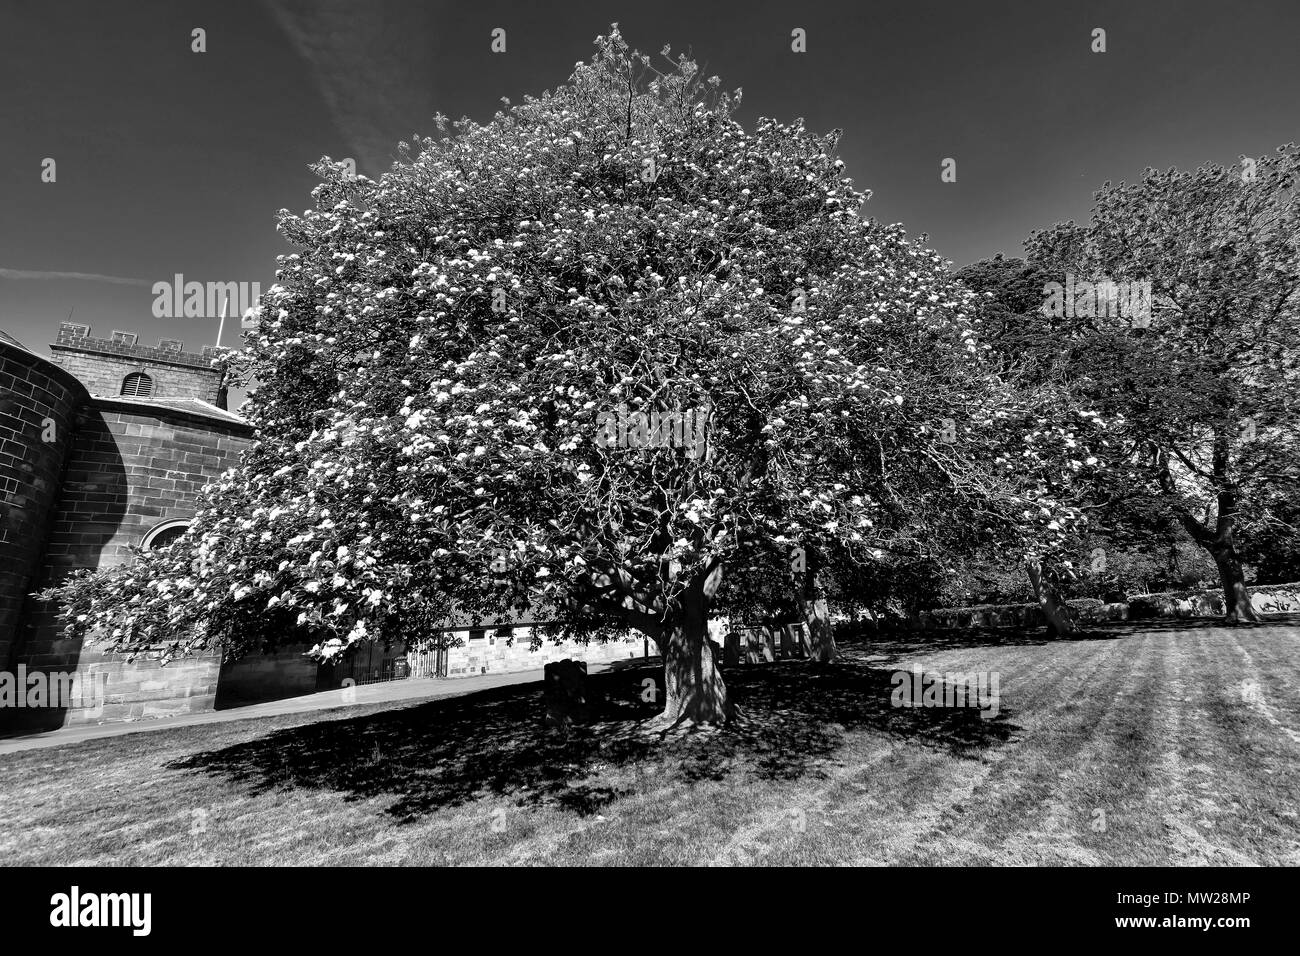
(1058, 615)
(816, 618)
(1221, 541)
(1236, 597)
(694, 692)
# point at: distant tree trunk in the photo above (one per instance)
(1058, 615)
(694, 691)
(1236, 597)
(816, 617)
(1221, 541)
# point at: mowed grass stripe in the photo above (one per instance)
(1243, 788)
(1059, 715)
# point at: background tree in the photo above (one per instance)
(1013, 294)
(1206, 384)
(1270, 538)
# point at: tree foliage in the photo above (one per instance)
(1207, 383)
(440, 362)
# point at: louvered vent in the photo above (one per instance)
(138, 384)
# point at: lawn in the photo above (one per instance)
(1170, 743)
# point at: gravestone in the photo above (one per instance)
(731, 650)
(565, 693)
(803, 640)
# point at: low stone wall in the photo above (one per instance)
(101, 688)
(1013, 615)
(149, 689)
(1267, 599)
(1277, 599)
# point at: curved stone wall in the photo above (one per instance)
(38, 406)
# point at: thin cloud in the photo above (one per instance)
(367, 63)
(83, 276)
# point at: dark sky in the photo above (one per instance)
(170, 161)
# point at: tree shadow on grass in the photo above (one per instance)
(453, 751)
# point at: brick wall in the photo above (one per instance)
(32, 393)
(128, 470)
(103, 364)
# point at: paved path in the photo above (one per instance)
(399, 690)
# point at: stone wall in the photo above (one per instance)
(1266, 599)
(129, 469)
(102, 364)
(37, 402)
(287, 672)
(144, 688)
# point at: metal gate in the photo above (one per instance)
(369, 664)
(427, 662)
(374, 664)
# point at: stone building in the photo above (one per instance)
(104, 447)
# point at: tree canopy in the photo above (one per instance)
(1208, 382)
(599, 354)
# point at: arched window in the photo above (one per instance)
(164, 534)
(137, 383)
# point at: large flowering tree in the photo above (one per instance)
(454, 368)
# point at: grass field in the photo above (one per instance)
(1172, 743)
